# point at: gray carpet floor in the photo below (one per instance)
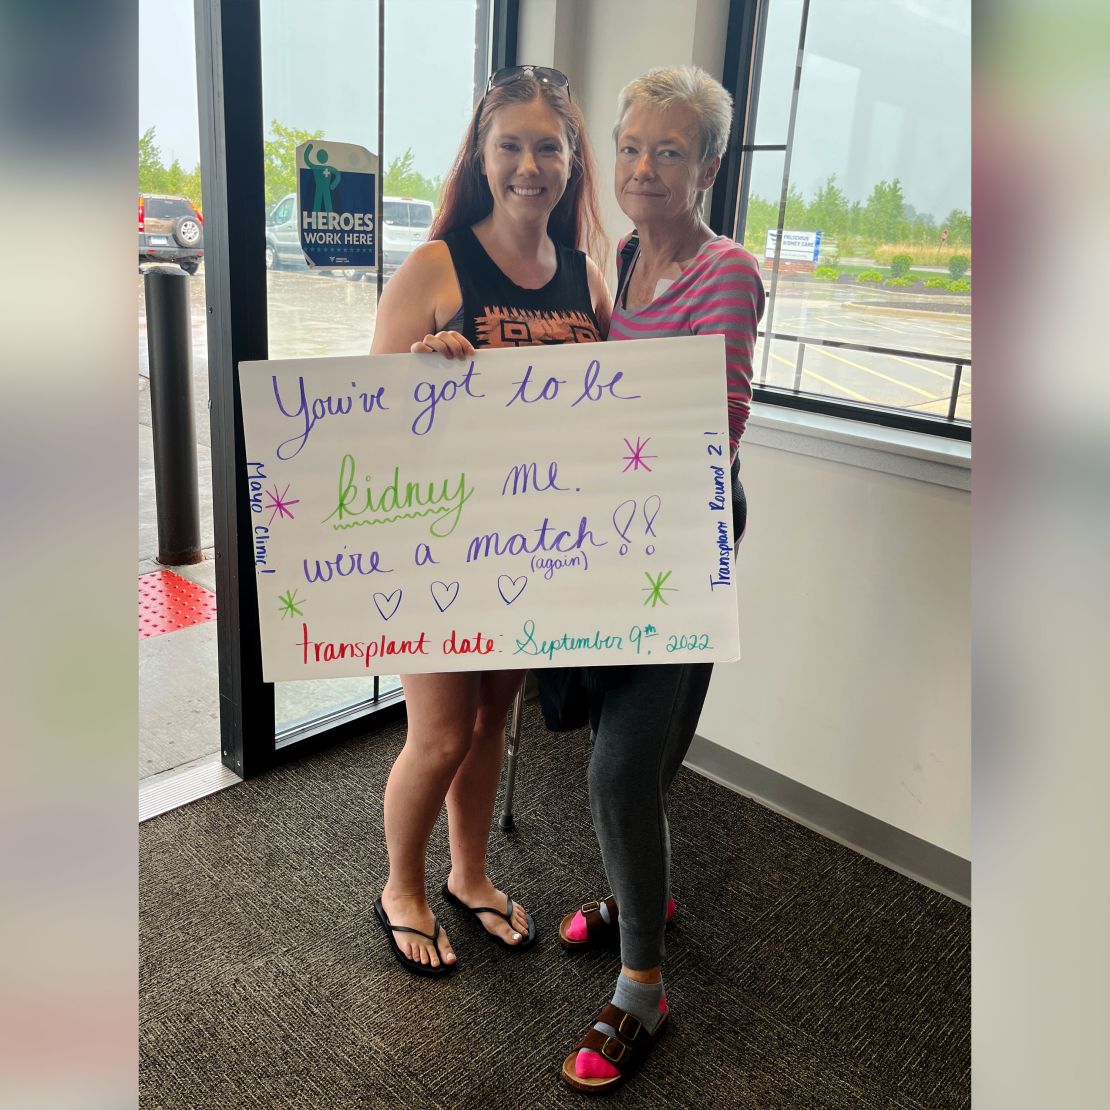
(799, 974)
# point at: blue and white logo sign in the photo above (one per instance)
(797, 246)
(336, 204)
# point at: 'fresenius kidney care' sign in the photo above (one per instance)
(336, 197)
(531, 507)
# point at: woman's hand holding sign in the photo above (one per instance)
(450, 344)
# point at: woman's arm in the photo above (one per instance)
(729, 301)
(423, 293)
(599, 294)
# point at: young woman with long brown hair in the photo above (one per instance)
(504, 267)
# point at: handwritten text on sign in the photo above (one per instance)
(531, 507)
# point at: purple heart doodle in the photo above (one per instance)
(448, 591)
(511, 588)
(387, 603)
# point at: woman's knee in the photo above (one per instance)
(489, 724)
(442, 748)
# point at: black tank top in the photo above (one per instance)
(496, 312)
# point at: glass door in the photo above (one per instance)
(275, 74)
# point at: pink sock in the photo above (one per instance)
(577, 930)
(592, 1065)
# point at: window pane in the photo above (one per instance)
(780, 56)
(179, 697)
(324, 85)
(879, 199)
(423, 132)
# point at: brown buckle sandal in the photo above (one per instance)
(598, 932)
(626, 1051)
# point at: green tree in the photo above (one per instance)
(925, 227)
(855, 218)
(762, 215)
(174, 178)
(191, 186)
(796, 210)
(151, 171)
(828, 212)
(958, 223)
(154, 177)
(884, 214)
(280, 159)
(402, 179)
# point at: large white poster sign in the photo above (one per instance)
(530, 507)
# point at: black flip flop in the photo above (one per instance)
(507, 917)
(415, 966)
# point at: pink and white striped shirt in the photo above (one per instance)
(719, 293)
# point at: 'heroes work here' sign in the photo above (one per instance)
(336, 198)
(527, 507)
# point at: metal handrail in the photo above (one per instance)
(815, 342)
(958, 361)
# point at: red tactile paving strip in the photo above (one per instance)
(168, 602)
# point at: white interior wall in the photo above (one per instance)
(854, 584)
(601, 45)
(855, 630)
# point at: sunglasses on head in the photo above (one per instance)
(545, 75)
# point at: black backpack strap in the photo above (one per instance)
(739, 505)
(628, 252)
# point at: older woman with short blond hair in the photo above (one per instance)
(677, 277)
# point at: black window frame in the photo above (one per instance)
(741, 76)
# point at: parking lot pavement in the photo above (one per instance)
(317, 314)
(902, 380)
(308, 314)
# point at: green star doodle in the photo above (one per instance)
(655, 589)
(289, 604)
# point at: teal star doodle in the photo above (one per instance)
(655, 589)
(289, 604)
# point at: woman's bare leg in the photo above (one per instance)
(441, 711)
(470, 802)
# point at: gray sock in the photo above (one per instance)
(641, 1000)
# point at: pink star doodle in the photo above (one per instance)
(636, 456)
(279, 504)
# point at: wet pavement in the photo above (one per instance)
(309, 314)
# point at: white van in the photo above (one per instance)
(404, 226)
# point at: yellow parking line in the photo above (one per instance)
(842, 388)
(928, 369)
(885, 327)
(885, 377)
(842, 324)
(825, 381)
(940, 331)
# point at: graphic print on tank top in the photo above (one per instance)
(496, 312)
(499, 326)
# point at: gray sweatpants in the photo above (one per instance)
(643, 725)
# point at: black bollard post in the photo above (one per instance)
(169, 343)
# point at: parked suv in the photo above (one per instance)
(170, 230)
(405, 224)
